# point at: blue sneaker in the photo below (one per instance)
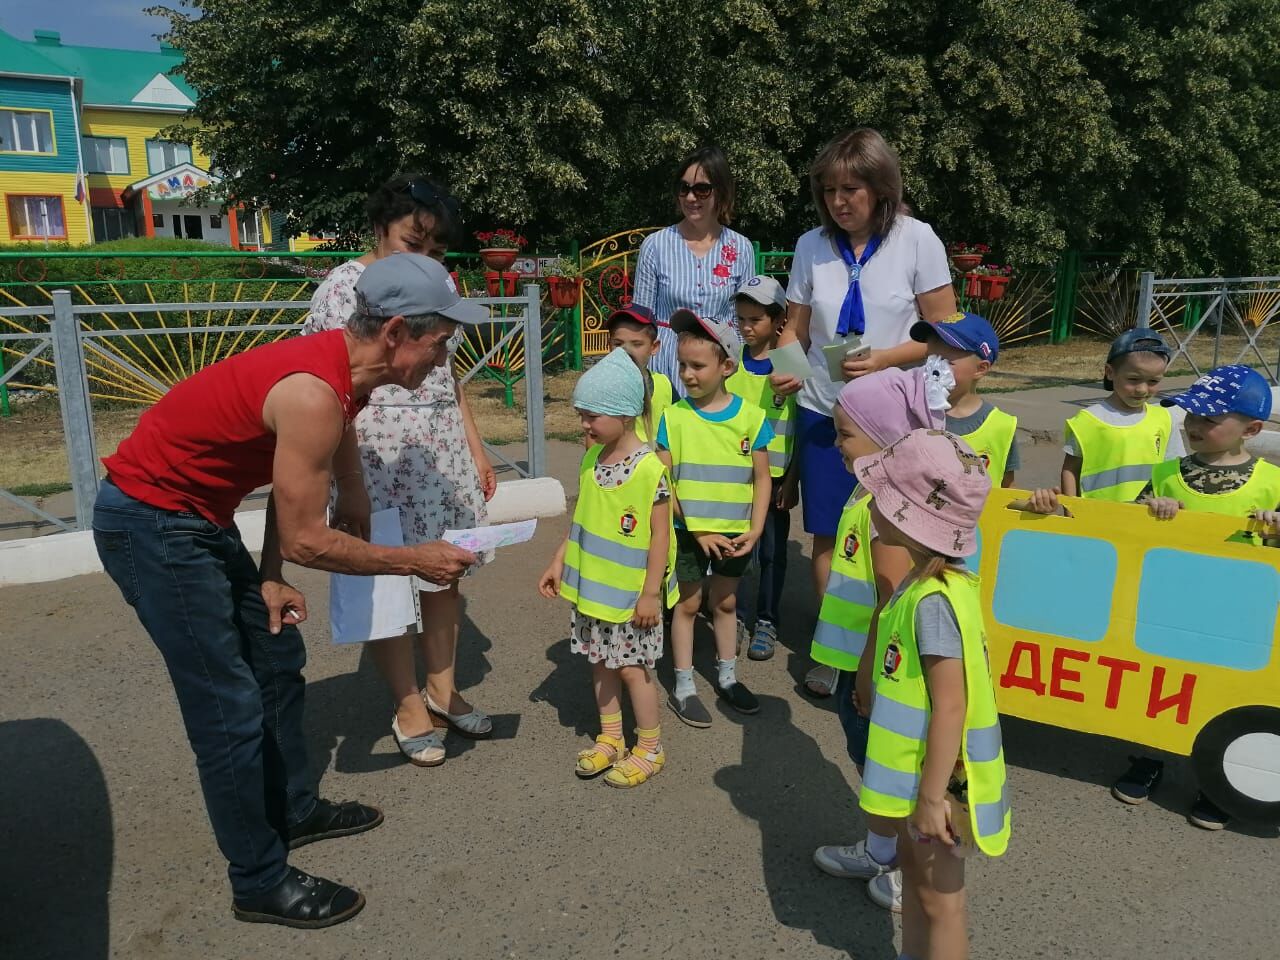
(763, 641)
(1140, 781)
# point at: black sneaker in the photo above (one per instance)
(330, 819)
(1140, 781)
(1206, 815)
(301, 900)
(690, 710)
(739, 697)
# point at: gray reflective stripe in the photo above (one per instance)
(782, 428)
(900, 718)
(1134, 473)
(835, 637)
(850, 590)
(989, 816)
(714, 510)
(982, 743)
(712, 473)
(600, 593)
(778, 458)
(597, 546)
(891, 783)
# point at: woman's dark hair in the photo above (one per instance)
(716, 166)
(405, 195)
(863, 155)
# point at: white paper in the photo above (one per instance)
(373, 608)
(483, 539)
(791, 361)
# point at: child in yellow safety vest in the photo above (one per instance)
(635, 330)
(1110, 447)
(935, 760)
(969, 343)
(616, 568)
(716, 447)
(872, 412)
(761, 305)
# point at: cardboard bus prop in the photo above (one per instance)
(1162, 633)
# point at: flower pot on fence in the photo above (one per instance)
(499, 258)
(564, 291)
(964, 262)
(457, 283)
(972, 284)
(501, 284)
(992, 287)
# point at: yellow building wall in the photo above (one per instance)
(62, 185)
(137, 127)
(300, 244)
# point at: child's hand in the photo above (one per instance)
(715, 545)
(648, 611)
(932, 821)
(549, 583)
(744, 543)
(784, 386)
(862, 691)
(1270, 519)
(1043, 501)
(1163, 508)
(788, 492)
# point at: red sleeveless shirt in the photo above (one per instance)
(204, 447)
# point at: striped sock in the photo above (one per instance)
(611, 725)
(647, 742)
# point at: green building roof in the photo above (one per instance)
(22, 58)
(111, 77)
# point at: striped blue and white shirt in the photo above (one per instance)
(668, 277)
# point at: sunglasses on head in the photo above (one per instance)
(427, 195)
(701, 189)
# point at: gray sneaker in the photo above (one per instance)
(848, 862)
(690, 710)
(763, 642)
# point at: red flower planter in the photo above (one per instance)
(499, 258)
(564, 291)
(964, 262)
(992, 287)
(457, 283)
(501, 284)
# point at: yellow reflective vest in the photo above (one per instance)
(711, 466)
(607, 556)
(780, 411)
(900, 715)
(1116, 461)
(992, 441)
(662, 397)
(849, 601)
(1260, 492)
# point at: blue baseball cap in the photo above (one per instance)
(633, 312)
(1231, 389)
(964, 331)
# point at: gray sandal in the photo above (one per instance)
(475, 725)
(426, 750)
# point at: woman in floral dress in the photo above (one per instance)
(421, 453)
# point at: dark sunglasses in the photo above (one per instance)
(427, 195)
(701, 190)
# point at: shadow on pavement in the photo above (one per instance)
(807, 803)
(56, 844)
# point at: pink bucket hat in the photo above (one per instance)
(931, 486)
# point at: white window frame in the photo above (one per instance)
(167, 147)
(39, 215)
(92, 147)
(12, 120)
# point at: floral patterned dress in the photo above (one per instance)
(618, 644)
(412, 442)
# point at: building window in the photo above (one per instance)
(215, 222)
(247, 227)
(105, 154)
(36, 218)
(157, 219)
(26, 131)
(111, 223)
(166, 154)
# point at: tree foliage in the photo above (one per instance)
(1139, 127)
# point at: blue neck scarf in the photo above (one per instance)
(853, 318)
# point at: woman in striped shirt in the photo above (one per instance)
(698, 263)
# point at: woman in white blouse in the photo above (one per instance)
(901, 270)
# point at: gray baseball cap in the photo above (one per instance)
(686, 321)
(763, 290)
(411, 285)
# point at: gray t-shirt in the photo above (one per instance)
(937, 630)
(963, 426)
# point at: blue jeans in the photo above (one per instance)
(856, 726)
(771, 557)
(198, 594)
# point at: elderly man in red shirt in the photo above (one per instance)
(165, 529)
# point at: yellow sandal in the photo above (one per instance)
(626, 774)
(596, 760)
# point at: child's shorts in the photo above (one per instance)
(857, 728)
(692, 564)
(825, 484)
